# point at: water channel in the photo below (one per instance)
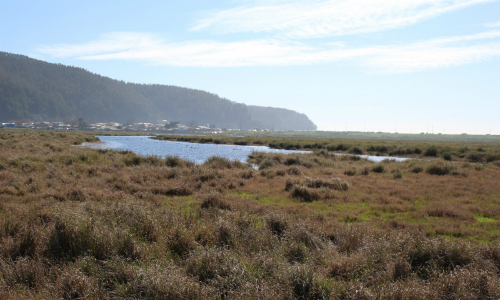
(197, 153)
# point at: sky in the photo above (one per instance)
(407, 66)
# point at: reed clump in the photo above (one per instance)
(309, 189)
(215, 201)
(332, 183)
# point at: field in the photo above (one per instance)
(370, 135)
(470, 151)
(80, 223)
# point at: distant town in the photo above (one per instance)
(81, 124)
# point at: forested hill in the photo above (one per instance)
(40, 91)
(280, 118)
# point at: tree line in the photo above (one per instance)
(40, 91)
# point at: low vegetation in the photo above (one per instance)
(474, 152)
(80, 223)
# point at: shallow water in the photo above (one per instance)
(197, 153)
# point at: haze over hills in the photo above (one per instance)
(41, 91)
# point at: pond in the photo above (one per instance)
(197, 153)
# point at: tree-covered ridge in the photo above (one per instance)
(37, 90)
(280, 118)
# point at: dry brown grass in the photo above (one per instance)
(77, 223)
(416, 147)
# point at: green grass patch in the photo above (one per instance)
(320, 206)
(483, 219)
(270, 200)
(243, 195)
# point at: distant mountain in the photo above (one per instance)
(37, 90)
(280, 118)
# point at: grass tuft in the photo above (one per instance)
(215, 201)
(440, 168)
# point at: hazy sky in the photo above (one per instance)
(374, 65)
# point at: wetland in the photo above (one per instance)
(84, 223)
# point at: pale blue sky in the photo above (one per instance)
(374, 65)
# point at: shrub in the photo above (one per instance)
(175, 161)
(225, 236)
(342, 147)
(292, 146)
(217, 267)
(132, 159)
(217, 162)
(141, 223)
(73, 284)
(432, 151)
(290, 183)
(247, 174)
(277, 224)
(176, 190)
(447, 156)
(70, 240)
(449, 212)
(417, 169)
(440, 169)
(378, 169)
(76, 195)
(268, 173)
(305, 286)
(322, 152)
(366, 171)
(22, 272)
(207, 174)
(206, 140)
(306, 194)
(306, 237)
(292, 161)
(215, 201)
(333, 183)
(347, 239)
(345, 267)
(180, 242)
(153, 160)
(356, 150)
(350, 172)
(492, 157)
(475, 157)
(295, 252)
(267, 163)
(294, 170)
(381, 149)
(163, 280)
(401, 269)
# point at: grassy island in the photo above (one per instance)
(80, 223)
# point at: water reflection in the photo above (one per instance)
(197, 153)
